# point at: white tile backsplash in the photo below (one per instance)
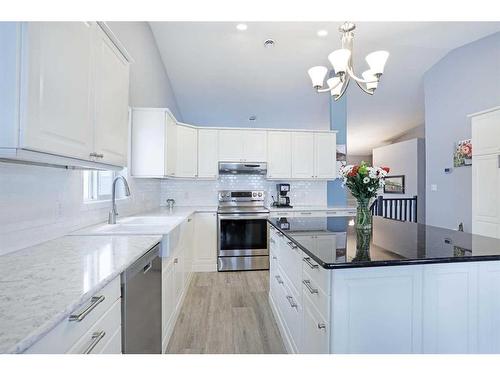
(40, 203)
(192, 192)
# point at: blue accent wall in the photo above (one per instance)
(336, 194)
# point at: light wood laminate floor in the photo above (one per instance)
(227, 312)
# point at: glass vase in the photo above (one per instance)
(363, 215)
(363, 239)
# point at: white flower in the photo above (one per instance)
(366, 180)
(370, 189)
(372, 173)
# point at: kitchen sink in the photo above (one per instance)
(135, 225)
(150, 220)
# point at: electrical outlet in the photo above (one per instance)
(434, 187)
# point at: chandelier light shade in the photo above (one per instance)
(317, 74)
(343, 68)
(376, 60)
(369, 76)
(339, 60)
(335, 86)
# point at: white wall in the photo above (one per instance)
(405, 158)
(188, 193)
(41, 203)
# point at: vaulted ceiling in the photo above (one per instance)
(222, 76)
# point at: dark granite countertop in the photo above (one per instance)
(333, 243)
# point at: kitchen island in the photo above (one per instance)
(401, 288)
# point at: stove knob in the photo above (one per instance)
(260, 194)
(254, 194)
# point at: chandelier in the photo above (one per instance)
(343, 68)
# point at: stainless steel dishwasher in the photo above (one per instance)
(141, 305)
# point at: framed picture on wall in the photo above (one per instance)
(394, 184)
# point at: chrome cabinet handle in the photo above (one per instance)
(99, 156)
(308, 261)
(306, 213)
(274, 257)
(280, 234)
(278, 279)
(176, 260)
(94, 301)
(93, 154)
(292, 245)
(96, 337)
(272, 241)
(291, 301)
(321, 326)
(312, 290)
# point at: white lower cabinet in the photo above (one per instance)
(92, 328)
(176, 276)
(205, 242)
(411, 309)
(316, 339)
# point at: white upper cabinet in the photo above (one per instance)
(187, 152)
(230, 145)
(302, 155)
(208, 153)
(111, 71)
(72, 94)
(325, 155)
(242, 145)
(254, 145)
(486, 133)
(170, 156)
(56, 106)
(279, 149)
(161, 147)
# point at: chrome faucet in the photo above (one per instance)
(113, 212)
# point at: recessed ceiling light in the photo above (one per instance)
(322, 33)
(242, 26)
(269, 43)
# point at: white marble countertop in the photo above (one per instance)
(312, 208)
(41, 285)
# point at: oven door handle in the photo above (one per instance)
(243, 217)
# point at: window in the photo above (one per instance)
(97, 186)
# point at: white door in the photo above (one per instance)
(254, 145)
(208, 140)
(279, 150)
(486, 133)
(187, 152)
(205, 247)
(325, 155)
(56, 110)
(230, 145)
(111, 101)
(171, 145)
(486, 195)
(302, 155)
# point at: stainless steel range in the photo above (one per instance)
(242, 231)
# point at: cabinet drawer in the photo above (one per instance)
(317, 274)
(310, 214)
(315, 296)
(68, 332)
(315, 330)
(290, 262)
(291, 312)
(101, 334)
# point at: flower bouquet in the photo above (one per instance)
(363, 182)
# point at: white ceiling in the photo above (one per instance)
(221, 76)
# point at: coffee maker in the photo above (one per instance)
(282, 199)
